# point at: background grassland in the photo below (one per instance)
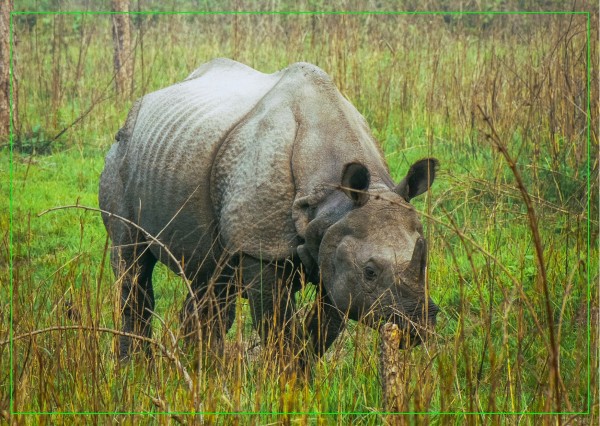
(424, 83)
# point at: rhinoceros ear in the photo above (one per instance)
(355, 183)
(419, 178)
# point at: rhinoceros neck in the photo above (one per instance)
(331, 133)
(319, 213)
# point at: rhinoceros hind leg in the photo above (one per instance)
(133, 265)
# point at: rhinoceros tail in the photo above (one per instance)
(111, 191)
(124, 134)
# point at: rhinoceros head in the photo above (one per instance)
(373, 260)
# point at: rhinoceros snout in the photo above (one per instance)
(420, 327)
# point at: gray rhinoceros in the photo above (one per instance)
(274, 178)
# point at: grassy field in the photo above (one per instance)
(467, 89)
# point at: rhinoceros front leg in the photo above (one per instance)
(212, 309)
(270, 289)
(324, 324)
(133, 264)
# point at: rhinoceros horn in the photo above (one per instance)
(415, 272)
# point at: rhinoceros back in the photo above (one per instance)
(157, 174)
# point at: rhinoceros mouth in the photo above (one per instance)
(413, 333)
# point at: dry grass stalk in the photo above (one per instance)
(5, 10)
(539, 251)
(121, 30)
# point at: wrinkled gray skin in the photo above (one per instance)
(270, 175)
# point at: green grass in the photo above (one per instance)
(418, 80)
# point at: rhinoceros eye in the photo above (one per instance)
(370, 273)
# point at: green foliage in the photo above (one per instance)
(35, 141)
(420, 81)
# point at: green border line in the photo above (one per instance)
(589, 197)
(294, 12)
(398, 13)
(10, 206)
(288, 413)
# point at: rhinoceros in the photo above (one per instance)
(253, 184)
